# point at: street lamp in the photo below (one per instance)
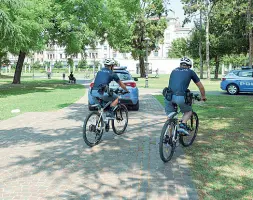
(147, 39)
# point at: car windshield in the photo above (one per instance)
(124, 76)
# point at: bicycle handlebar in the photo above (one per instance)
(198, 98)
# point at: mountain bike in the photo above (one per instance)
(96, 123)
(170, 137)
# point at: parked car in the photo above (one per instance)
(238, 81)
(131, 99)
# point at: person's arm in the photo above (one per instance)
(202, 90)
(197, 81)
(122, 85)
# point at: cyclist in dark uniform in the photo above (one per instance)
(102, 81)
(180, 79)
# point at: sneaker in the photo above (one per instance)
(183, 129)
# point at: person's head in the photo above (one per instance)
(71, 72)
(109, 63)
(185, 62)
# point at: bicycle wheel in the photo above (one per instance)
(192, 126)
(120, 122)
(166, 145)
(93, 129)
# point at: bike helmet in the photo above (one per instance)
(109, 62)
(186, 60)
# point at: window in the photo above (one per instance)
(51, 56)
(245, 74)
(114, 55)
(124, 76)
(155, 53)
(105, 47)
(41, 59)
(60, 56)
(41, 52)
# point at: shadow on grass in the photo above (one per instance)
(221, 156)
(35, 87)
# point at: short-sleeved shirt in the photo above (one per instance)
(104, 77)
(180, 79)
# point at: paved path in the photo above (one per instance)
(43, 156)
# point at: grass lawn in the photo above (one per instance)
(162, 81)
(221, 158)
(36, 96)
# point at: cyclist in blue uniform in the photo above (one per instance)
(101, 85)
(180, 79)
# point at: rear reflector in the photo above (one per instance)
(91, 85)
(223, 79)
(132, 84)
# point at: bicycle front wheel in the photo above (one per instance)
(166, 145)
(192, 127)
(120, 122)
(93, 129)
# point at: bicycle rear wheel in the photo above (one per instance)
(93, 129)
(192, 126)
(166, 145)
(120, 122)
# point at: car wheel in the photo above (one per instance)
(136, 106)
(232, 89)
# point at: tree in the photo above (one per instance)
(58, 64)
(129, 23)
(3, 59)
(26, 24)
(179, 48)
(191, 7)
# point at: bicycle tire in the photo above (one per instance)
(194, 120)
(97, 140)
(162, 142)
(119, 110)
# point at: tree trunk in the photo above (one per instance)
(17, 76)
(207, 41)
(142, 66)
(217, 65)
(200, 48)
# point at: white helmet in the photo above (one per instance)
(109, 61)
(186, 60)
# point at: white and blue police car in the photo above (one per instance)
(237, 81)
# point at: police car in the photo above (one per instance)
(131, 99)
(238, 81)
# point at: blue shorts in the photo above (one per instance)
(180, 101)
(105, 97)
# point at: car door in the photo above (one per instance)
(246, 81)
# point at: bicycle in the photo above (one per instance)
(101, 123)
(170, 138)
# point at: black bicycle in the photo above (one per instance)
(170, 138)
(96, 122)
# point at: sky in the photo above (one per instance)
(177, 7)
